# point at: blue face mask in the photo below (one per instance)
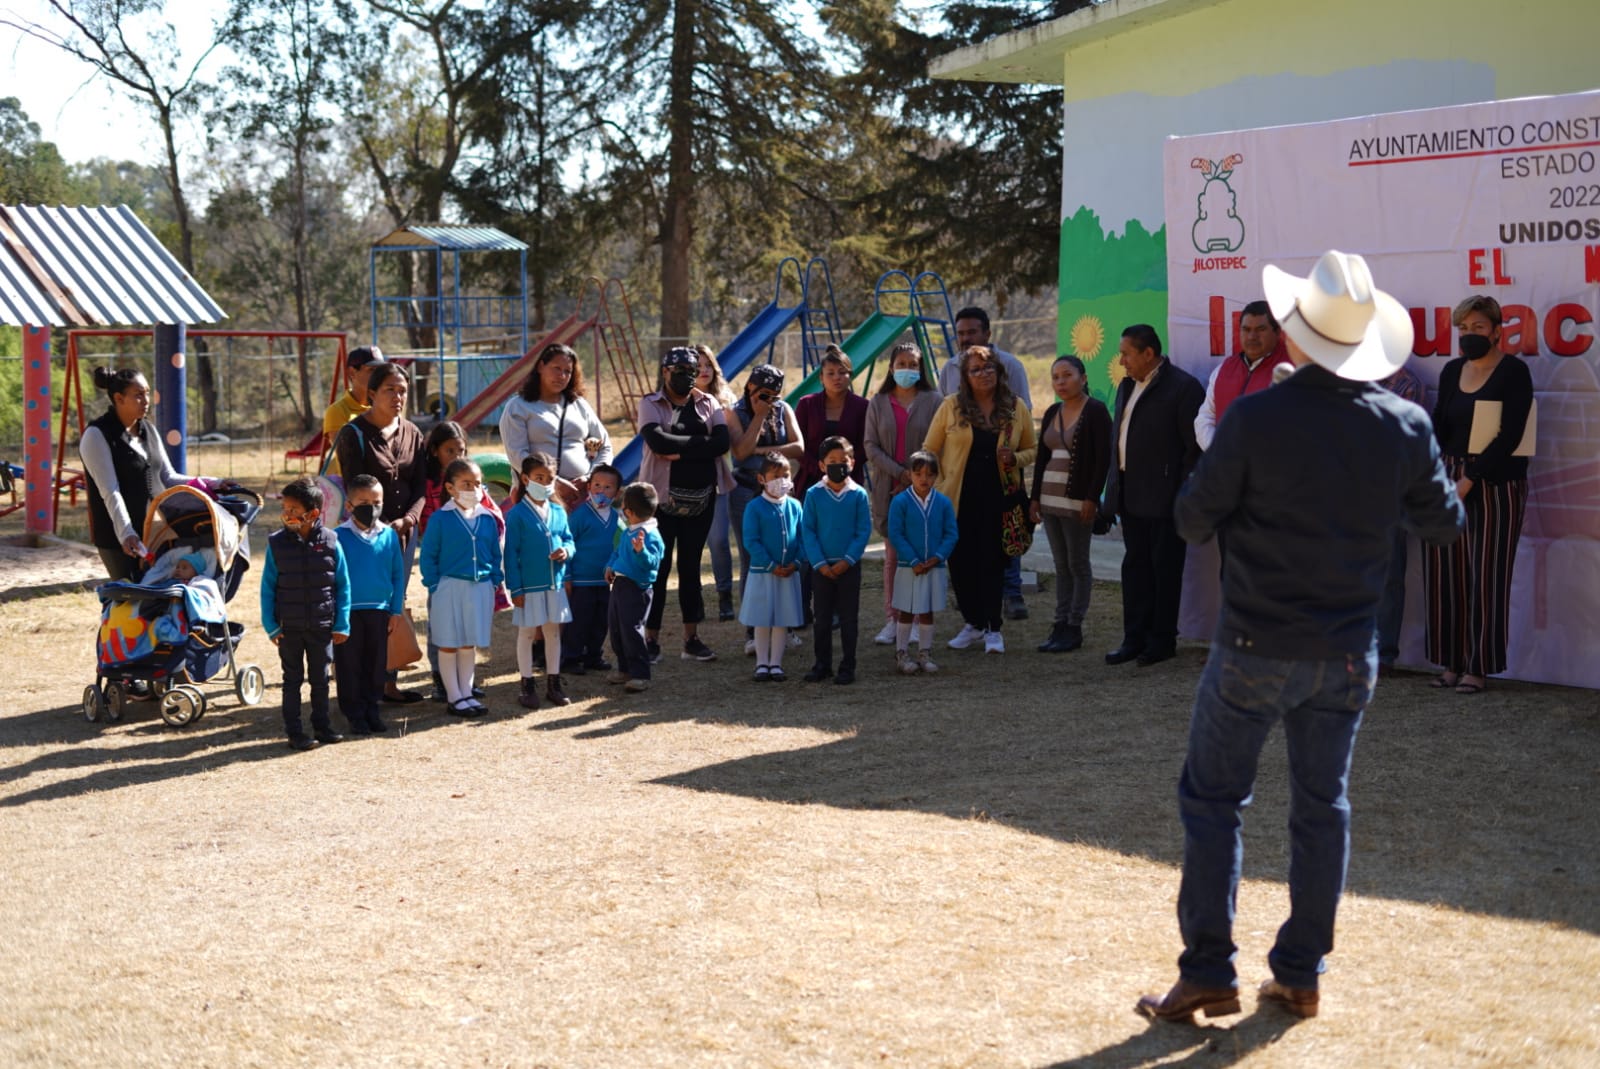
(907, 377)
(601, 501)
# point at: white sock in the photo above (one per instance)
(447, 672)
(552, 649)
(763, 637)
(466, 665)
(902, 634)
(925, 636)
(780, 641)
(525, 637)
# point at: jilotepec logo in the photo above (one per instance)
(1217, 226)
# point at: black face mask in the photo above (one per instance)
(364, 514)
(681, 382)
(838, 472)
(1475, 346)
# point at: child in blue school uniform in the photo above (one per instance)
(595, 523)
(632, 572)
(377, 567)
(835, 522)
(305, 608)
(538, 545)
(772, 600)
(922, 529)
(461, 567)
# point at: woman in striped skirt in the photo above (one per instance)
(1468, 583)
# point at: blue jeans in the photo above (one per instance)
(1012, 587)
(721, 551)
(1240, 697)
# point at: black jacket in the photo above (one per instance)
(1512, 385)
(1309, 479)
(307, 578)
(1161, 446)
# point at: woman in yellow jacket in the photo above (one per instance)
(981, 434)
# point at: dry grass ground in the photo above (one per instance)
(972, 870)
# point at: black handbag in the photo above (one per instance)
(686, 503)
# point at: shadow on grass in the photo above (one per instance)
(1484, 804)
(1207, 1046)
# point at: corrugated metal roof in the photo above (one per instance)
(84, 267)
(454, 238)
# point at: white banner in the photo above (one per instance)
(1500, 198)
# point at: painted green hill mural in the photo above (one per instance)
(1107, 283)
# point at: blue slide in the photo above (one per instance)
(752, 341)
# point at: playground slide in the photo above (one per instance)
(738, 354)
(511, 379)
(869, 341)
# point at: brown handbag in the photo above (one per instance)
(403, 647)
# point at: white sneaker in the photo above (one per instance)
(925, 663)
(904, 662)
(968, 636)
(993, 643)
(885, 637)
(749, 647)
(796, 639)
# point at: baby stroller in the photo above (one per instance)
(168, 634)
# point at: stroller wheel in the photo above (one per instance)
(94, 703)
(179, 707)
(116, 699)
(250, 685)
(199, 703)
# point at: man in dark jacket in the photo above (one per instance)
(1308, 479)
(1152, 450)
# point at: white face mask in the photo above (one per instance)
(778, 488)
(466, 500)
(537, 491)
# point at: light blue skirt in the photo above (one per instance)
(461, 613)
(772, 601)
(920, 594)
(542, 607)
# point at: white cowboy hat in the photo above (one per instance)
(1341, 320)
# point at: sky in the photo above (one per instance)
(75, 109)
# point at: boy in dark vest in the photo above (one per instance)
(305, 608)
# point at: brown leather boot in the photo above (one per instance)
(553, 692)
(529, 698)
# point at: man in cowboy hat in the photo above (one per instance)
(1308, 479)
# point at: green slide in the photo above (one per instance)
(870, 341)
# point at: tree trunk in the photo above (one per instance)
(180, 207)
(302, 295)
(677, 217)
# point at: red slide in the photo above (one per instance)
(566, 332)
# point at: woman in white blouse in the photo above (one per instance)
(127, 467)
(551, 416)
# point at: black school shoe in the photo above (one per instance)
(845, 677)
(695, 650)
(301, 744)
(818, 674)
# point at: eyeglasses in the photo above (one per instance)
(981, 369)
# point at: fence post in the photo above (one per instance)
(38, 486)
(172, 396)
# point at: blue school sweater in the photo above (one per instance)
(917, 532)
(377, 568)
(640, 565)
(772, 532)
(460, 548)
(836, 526)
(595, 538)
(530, 539)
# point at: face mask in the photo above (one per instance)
(601, 501)
(1475, 346)
(364, 514)
(537, 491)
(681, 382)
(778, 487)
(466, 500)
(907, 377)
(838, 472)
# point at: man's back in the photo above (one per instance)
(1310, 478)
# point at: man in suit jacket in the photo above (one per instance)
(1154, 448)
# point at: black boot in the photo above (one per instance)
(439, 694)
(553, 692)
(725, 605)
(529, 698)
(1057, 641)
(1073, 639)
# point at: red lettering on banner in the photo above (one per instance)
(1554, 336)
(1219, 263)
(1439, 344)
(1591, 265)
(1519, 330)
(1475, 267)
(1500, 276)
(1217, 328)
